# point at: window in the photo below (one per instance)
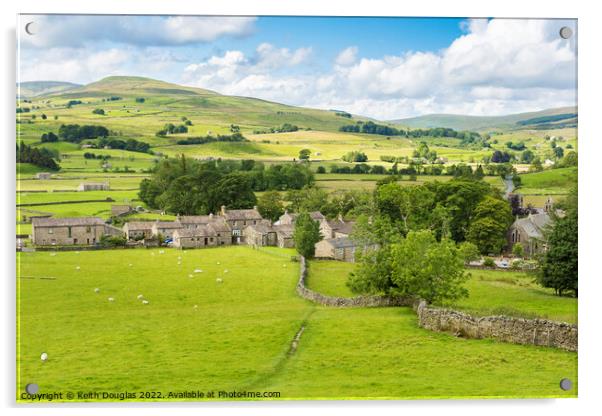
(68, 231)
(88, 229)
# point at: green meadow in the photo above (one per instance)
(197, 333)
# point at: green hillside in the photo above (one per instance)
(32, 89)
(549, 119)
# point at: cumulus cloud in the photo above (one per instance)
(495, 67)
(78, 31)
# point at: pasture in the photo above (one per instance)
(198, 334)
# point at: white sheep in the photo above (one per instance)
(179, 263)
(145, 302)
(139, 297)
(52, 254)
(44, 356)
(161, 251)
(97, 290)
(218, 262)
(218, 280)
(195, 306)
(179, 258)
(111, 299)
(77, 267)
(130, 265)
(190, 275)
(226, 271)
(198, 271)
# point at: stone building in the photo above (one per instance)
(289, 218)
(342, 249)
(223, 232)
(70, 231)
(43, 175)
(238, 219)
(93, 186)
(165, 228)
(119, 210)
(336, 228)
(138, 230)
(529, 232)
(266, 234)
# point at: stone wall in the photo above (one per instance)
(358, 301)
(539, 332)
(502, 328)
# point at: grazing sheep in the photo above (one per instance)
(190, 275)
(161, 251)
(77, 267)
(111, 299)
(52, 254)
(198, 271)
(218, 280)
(226, 271)
(179, 258)
(139, 297)
(145, 302)
(44, 356)
(97, 290)
(218, 262)
(130, 264)
(179, 263)
(195, 306)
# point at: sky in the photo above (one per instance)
(386, 68)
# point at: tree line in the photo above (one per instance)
(40, 157)
(236, 137)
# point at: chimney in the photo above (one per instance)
(340, 217)
(285, 211)
(211, 215)
(255, 207)
(223, 210)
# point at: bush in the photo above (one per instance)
(488, 262)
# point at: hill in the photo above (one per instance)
(546, 119)
(32, 89)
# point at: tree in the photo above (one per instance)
(270, 205)
(321, 169)
(98, 111)
(304, 154)
(469, 251)
(418, 266)
(559, 265)
(492, 217)
(306, 234)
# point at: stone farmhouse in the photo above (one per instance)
(340, 248)
(289, 218)
(43, 175)
(338, 228)
(138, 230)
(239, 219)
(93, 186)
(70, 231)
(165, 228)
(266, 234)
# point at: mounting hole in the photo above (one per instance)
(32, 388)
(566, 32)
(566, 384)
(30, 28)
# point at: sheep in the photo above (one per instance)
(161, 251)
(190, 275)
(218, 263)
(179, 263)
(97, 290)
(218, 280)
(179, 258)
(226, 271)
(77, 267)
(195, 306)
(145, 302)
(198, 271)
(52, 254)
(44, 356)
(139, 297)
(111, 299)
(130, 265)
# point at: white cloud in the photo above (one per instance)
(495, 67)
(347, 56)
(78, 31)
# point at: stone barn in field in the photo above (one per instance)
(70, 231)
(43, 175)
(93, 186)
(342, 249)
(120, 210)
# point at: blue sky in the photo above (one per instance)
(381, 67)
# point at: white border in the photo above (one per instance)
(590, 151)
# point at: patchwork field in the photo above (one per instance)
(239, 334)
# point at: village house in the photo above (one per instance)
(202, 236)
(529, 232)
(289, 218)
(165, 228)
(223, 232)
(238, 219)
(138, 230)
(341, 248)
(93, 186)
(266, 234)
(336, 229)
(70, 231)
(43, 175)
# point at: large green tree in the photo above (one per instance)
(306, 234)
(492, 217)
(270, 205)
(559, 265)
(417, 266)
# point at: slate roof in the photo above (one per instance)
(340, 226)
(139, 225)
(167, 224)
(66, 222)
(203, 231)
(315, 215)
(195, 219)
(284, 230)
(341, 242)
(533, 225)
(242, 214)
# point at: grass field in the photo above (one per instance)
(238, 337)
(549, 182)
(490, 292)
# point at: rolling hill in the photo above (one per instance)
(546, 119)
(32, 89)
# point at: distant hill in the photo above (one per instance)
(32, 89)
(545, 119)
(128, 85)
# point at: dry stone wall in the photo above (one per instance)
(539, 332)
